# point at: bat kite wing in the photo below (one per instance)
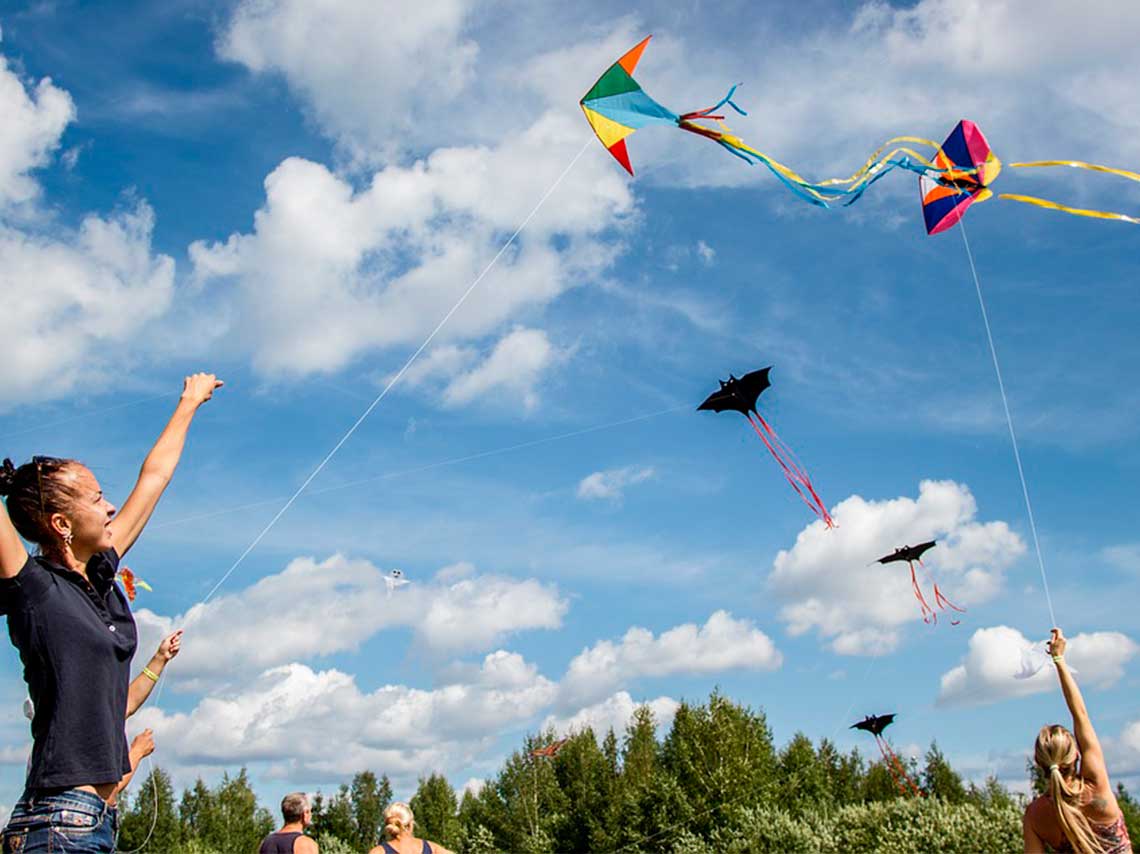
(965, 168)
(616, 106)
(738, 395)
(908, 553)
(874, 724)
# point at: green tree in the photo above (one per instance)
(1131, 810)
(148, 821)
(225, 818)
(721, 755)
(802, 782)
(939, 780)
(879, 784)
(335, 816)
(435, 807)
(368, 798)
(587, 780)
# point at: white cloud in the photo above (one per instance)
(102, 285)
(290, 715)
(610, 484)
(364, 75)
(515, 366)
(34, 121)
(1125, 751)
(706, 253)
(72, 295)
(613, 713)
(987, 674)
(722, 643)
(330, 272)
(335, 606)
(829, 585)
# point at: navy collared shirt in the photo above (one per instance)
(76, 640)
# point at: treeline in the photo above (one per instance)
(716, 783)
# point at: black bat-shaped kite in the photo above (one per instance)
(741, 395)
(875, 724)
(911, 554)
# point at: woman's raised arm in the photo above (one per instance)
(159, 465)
(13, 555)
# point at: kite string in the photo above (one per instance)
(1009, 424)
(399, 374)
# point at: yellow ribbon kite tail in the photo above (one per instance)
(1074, 164)
(875, 161)
(1045, 203)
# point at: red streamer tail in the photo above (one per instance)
(942, 602)
(928, 615)
(793, 472)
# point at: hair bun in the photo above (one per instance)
(7, 477)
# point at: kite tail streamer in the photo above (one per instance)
(896, 769)
(793, 472)
(942, 602)
(928, 615)
(1054, 206)
(1073, 164)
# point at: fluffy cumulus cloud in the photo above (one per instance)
(828, 585)
(343, 607)
(613, 713)
(362, 74)
(1126, 755)
(610, 485)
(35, 116)
(510, 371)
(1002, 663)
(290, 715)
(331, 271)
(72, 294)
(722, 643)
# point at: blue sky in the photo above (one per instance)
(295, 200)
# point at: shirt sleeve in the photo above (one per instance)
(25, 588)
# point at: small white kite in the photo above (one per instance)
(394, 579)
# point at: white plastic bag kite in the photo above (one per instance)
(1034, 659)
(394, 579)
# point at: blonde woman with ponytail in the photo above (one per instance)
(1078, 812)
(399, 834)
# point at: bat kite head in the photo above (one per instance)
(966, 166)
(908, 553)
(738, 395)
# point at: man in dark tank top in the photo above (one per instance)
(291, 839)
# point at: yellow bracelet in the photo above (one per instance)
(1057, 659)
(150, 674)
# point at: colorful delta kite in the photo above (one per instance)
(131, 582)
(875, 724)
(965, 166)
(912, 555)
(741, 395)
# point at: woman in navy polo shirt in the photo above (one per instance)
(74, 630)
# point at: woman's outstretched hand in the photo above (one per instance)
(170, 647)
(1057, 643)
(199, 388)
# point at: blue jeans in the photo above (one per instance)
(67, 822)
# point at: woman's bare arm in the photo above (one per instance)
(13, 555)
(1092, 757)
(159, 465)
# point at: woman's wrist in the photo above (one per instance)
(157, 663)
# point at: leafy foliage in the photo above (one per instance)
(714, 783)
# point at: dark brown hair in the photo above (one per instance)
(35, 491)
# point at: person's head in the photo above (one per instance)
(295, 807)
(58, 505)
(1058, 758)
(398, 821)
